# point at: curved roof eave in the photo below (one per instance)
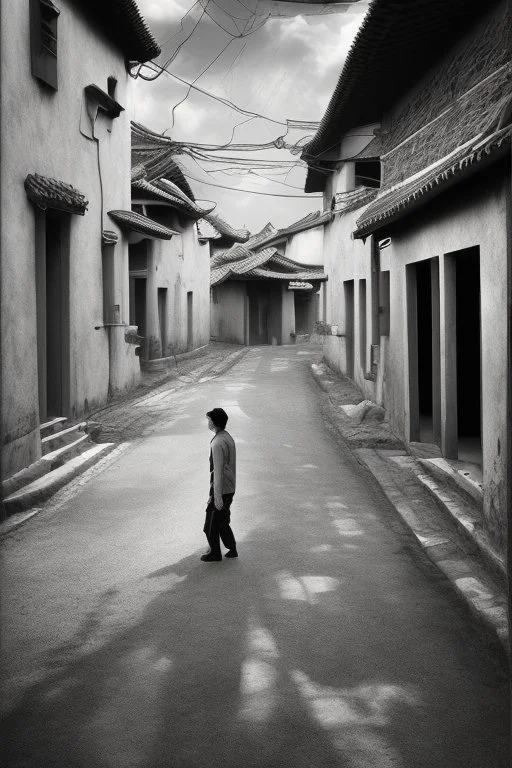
(392, 48)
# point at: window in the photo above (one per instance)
(367, 173)
(111, 86)
(43, 41)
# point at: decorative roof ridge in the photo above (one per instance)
(47, 192)
(170, 186)
(141, 224)
(238, 235)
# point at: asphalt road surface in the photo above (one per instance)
(331, 641)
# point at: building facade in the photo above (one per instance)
(65, 134)
(418, 254)
(169, 256)
(259, 295)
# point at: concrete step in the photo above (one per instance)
(458, 476)
(41, 489)
(43, 466)
(484, 593)
(61, 437)
(468, 521)
(53, 425)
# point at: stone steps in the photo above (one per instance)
(66, 451)
(45, 486)
(460, 499)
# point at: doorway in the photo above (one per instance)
(348, 286)
(190, 320)
(162, 319)
(362, 325)
(258, 315)
(52, 280)
(424, 351)
(468, 337)
(463, 387)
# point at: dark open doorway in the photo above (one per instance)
(162, 319)
(258, 314)
(190, 320)
(468, 334)
(424, 351)
(53, 315)
(348, 286)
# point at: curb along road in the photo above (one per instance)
(374, 446)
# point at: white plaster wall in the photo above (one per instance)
(228, 312)
(478, 219)
(347, 259)
(182, 264)
(40, 132)
(307, 247)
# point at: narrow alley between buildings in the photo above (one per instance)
(331, 641)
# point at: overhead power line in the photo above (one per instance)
(249, 191)
(221, 100)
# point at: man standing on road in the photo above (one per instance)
(222, 488)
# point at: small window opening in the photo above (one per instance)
(111, 87)
(368, 173)
(43, 41)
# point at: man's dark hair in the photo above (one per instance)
(219, 417)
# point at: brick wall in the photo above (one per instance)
(466, 87)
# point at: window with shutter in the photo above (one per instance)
(43, 41)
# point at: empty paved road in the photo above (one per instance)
(331, 641)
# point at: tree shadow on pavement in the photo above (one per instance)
(243, 662)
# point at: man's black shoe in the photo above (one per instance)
(231, 553)
(211, 557)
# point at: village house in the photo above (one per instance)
(66, 103)
(413, 155)
(169, 256)
(259, 293)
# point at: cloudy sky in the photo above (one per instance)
(277, 59)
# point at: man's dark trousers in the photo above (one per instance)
(217, 527)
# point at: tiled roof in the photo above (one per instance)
(344, 203)
(311, 221)
(414, 193)
(318, 274)
(262, 264)
(281, 261)
(206, 231)
(46, 193)
(166, 192)
(225, 230)
(393, 48)
(136, 222)
(123, 24)
(372, 151)
(299, 285)
(157, 154)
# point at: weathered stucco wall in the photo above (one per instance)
(475, 215)
(306, 247)
(41, 133)
(346, 259)
(228, 312)
(181, 265)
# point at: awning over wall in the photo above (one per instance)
(165, 192)
(46, 192)
(142, 225)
